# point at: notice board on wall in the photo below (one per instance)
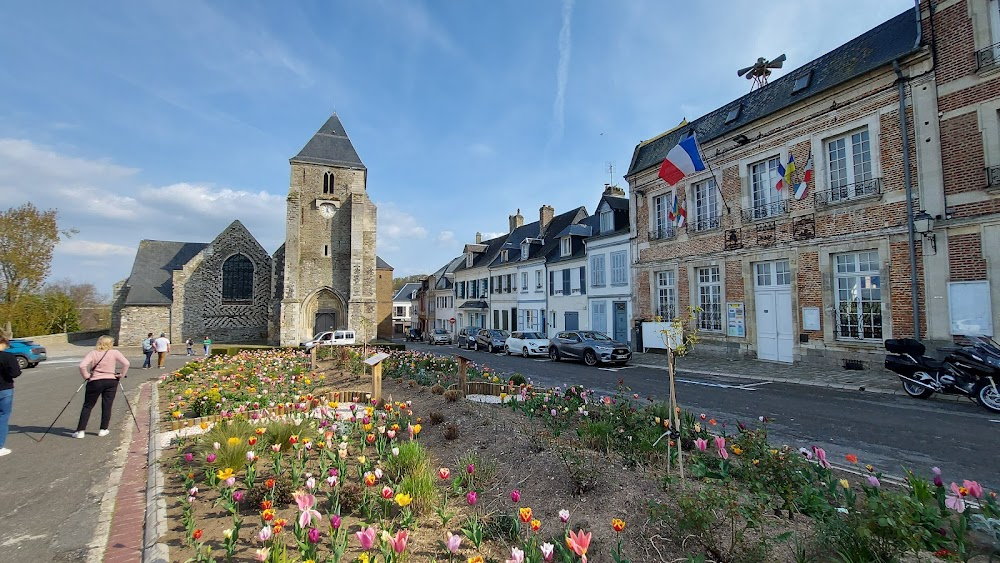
(969, 308)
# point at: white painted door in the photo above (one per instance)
(773, 303)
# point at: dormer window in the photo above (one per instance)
(468, 259)
(503, 255)
(567, 246)
(524, 250)
(607, 221)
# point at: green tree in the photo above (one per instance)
(93, 308)
(27, 239)
(398, 283)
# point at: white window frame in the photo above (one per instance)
(619, 271)
(539, 283)
(856, 178)
(524, 282)
(597, 277)
(524, 250)
(607, 221)
(662, 225)
(709, 284)
(566, 246)
(706, 205)
(765, 198)
(858, 308)
(666, 294)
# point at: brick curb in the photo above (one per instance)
(839, 386)
(124, 543)
(153, 550)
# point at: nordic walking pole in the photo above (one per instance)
(62, 411)
(125, 396)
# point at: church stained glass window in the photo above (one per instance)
(237, 278)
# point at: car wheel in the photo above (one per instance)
(590, 358)
(524, 352)
(553, 354)
(22, 362)
(506, 350)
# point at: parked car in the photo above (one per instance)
(414, 335)
(467, 337)
(28, 353)
(491, 339)
(590, 346)
(527, 344)
(330, 338)
(440, 336)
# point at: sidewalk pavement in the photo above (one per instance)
(873, 381)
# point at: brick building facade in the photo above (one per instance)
(821, 275)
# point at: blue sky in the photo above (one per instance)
(168, 120)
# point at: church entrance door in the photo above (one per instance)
(324, 322)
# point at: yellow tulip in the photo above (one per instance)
(403, 499)
(225, 474)
(845, 483)
(234, 441)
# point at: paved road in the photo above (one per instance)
(888, 431)
(52, 490)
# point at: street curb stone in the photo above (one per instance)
(839, 386)
(153, 550)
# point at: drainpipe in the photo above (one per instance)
(908, 185)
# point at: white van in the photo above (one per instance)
(330, 338)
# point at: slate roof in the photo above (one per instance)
(616, 203)
(330, 146)
(443, 281)
(474, 305)
(381, 264)
(406, 291)
(873, 49)
(151, 281)
(483, 258)
(579, 229)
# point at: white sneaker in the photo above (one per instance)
(4, 451)
(78, 434)
(104, 432)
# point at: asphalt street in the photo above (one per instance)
(52, 489)
(890, 432)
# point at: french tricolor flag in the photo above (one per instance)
(683, 159)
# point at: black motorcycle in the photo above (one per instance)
(972, 370)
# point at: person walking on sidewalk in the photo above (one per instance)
(100, 369)
(162, 346)
(147, 349)
(190, 346)
(207, 343)
(9, 369)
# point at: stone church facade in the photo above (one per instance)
(326, 275)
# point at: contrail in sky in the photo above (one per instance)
(562, 69)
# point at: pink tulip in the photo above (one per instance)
(955, 501)
(821, 457)
(548, 550)
(516, 556)
(720, 443)
(189, 457)
(210, 458)
(564, 516)
(398, 543)
(335, 522)
(515, 495)
(578, 542)
(470, 469)
(313, 535)
(701, 444)
(974, 488)
(471, 498)
(366, 537)
(306, 502)
(264, 534)
(454, 542)
(262, 554)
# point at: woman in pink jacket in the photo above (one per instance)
(100, 369)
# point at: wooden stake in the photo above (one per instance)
(673, 412)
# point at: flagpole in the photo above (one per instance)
(718, 182)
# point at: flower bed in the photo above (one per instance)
(559, 475)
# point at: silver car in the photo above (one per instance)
(590, 346)
(439, 336)
(527, 343)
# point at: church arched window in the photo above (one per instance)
(328, 182)
(237, 278)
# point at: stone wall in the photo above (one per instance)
(137, 321)
(119, 292)
(199, 309)
(383, 311)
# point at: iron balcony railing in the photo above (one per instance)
(993, 177)
(988, 58)
(703, 224)
(663, 232)
(849, 192)
(765, 211)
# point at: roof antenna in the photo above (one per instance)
(610, 167)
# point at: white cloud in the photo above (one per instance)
(90, 248)
(396, 226)
(446, 237)
(562, 69)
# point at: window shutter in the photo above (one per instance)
(552, 286)
(583, 280)
(565, 276)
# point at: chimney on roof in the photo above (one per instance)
(479, 238)
(613, 191)
(515, 220)
(545, 214)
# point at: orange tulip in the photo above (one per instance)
(525, 514)
(536, 525)
(617, 524)
(851, 458)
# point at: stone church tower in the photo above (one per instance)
(328, 280)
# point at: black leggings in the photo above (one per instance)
(105, 389)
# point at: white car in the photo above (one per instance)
(527, 343)
(330, 338)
